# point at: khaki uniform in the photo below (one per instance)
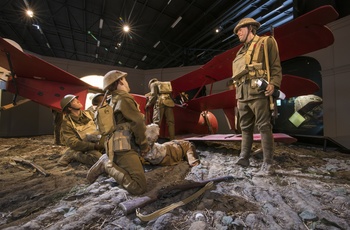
(81, 136)
(57, 123)
(253, 105)
(163, 105)
(126, 110)
(171, 153)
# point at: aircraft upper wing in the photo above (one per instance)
(37, 79)
(305, 34)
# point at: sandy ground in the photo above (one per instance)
(310, 190)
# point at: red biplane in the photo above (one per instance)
(46, 84)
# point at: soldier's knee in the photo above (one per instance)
(264, 127)
(137, 188)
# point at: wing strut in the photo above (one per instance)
(12, 78)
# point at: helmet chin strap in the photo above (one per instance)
(73, 108)
(246, 36)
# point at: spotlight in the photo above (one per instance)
(30, 13)
(218, 30)
(126, 28)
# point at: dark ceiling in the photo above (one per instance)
(91, 30)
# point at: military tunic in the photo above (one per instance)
(75, 133)
(172, 152)
(253, 105)
(246, 90)
(162, 106)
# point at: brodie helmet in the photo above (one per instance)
(66, 100)
(94, 99)
(246, 22)
(111, 77)
(151, 81)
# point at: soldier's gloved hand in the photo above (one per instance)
(98, 146)
(144, 152)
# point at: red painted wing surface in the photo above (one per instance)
(38, 80)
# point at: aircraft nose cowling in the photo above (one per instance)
(207, 123)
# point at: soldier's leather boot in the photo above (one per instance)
(88, 158)
(246, 146)
(171, 130)
(57, 137)
(67, 157)
(123, 178)
(97, 169)
(267, 144)
(192, 155)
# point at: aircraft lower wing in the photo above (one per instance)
(226, 99)
(278, 137)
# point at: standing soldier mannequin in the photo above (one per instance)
(163, 104)
(78, 132)
(258, 58)
(96, 101)
(123, 164)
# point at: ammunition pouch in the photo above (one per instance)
(121, 138)
(255, 71)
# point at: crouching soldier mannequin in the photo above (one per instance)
(123, 162)
(168, 153)
(79, 134)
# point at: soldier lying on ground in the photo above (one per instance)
(168, 153)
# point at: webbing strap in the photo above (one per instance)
(164, 210)
(250, 50)
(267, 64)
(257, 49)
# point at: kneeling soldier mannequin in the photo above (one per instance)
(125, 165)
(79, 134)
(168, 153)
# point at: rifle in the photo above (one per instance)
(131, 205)
(30, 163)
